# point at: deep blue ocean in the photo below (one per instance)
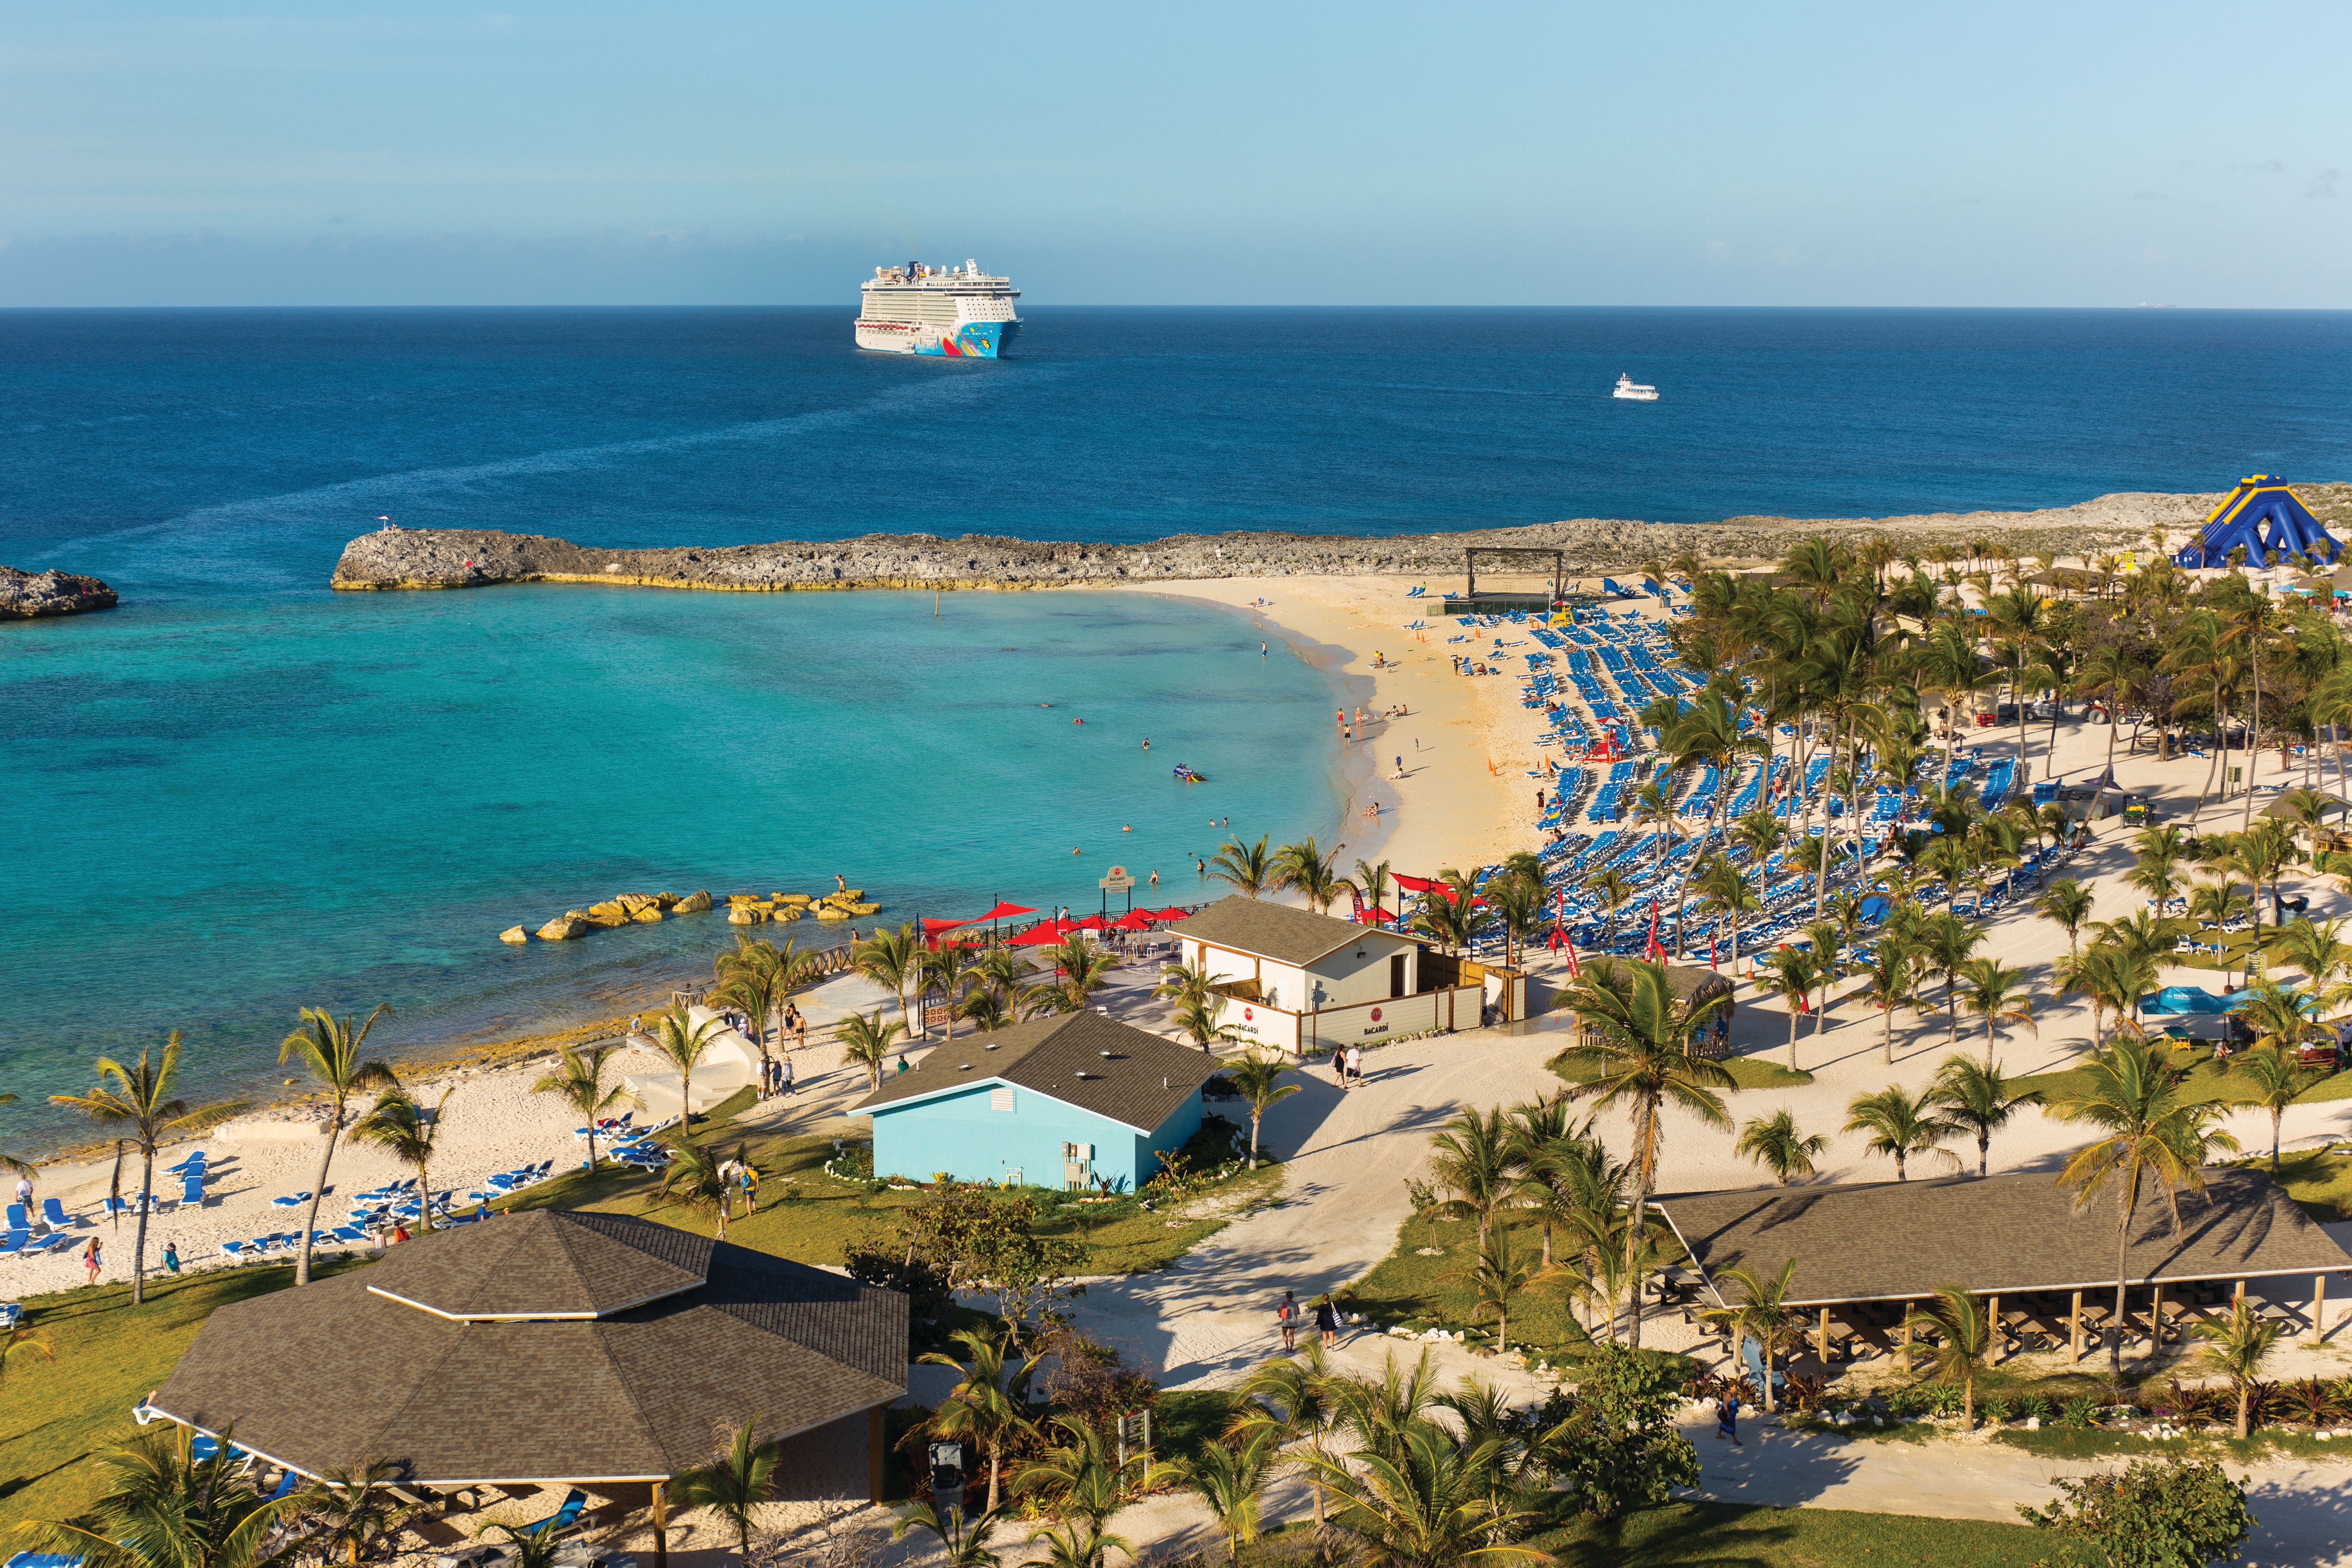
(239, 792)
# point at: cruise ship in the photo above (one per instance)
(959, 311)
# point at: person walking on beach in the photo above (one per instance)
(171, 1255)
(1339, 1067)
(1327, 1322)
(90, 1259)
(784, 1077)
(1287, 1315)
(24, 1192)
(1356, 1066)
(1727, 1421)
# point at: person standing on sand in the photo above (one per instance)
(1727, 1421)
(1327, 1322)
(1287, 1314)
(25, 1191)
(784, 1077)
(171, 1255)
(1356, 1066)
(91, 1261)
(1340, 1065)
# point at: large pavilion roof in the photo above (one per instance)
(552, 1346)
(1886, 1241)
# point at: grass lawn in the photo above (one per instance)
(1412, 1284)
(806, 1216)
(2207, 1083)
(1728, 1535)
(1753, 1071)
(53, 1414)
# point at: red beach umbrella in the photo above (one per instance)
(1134, 920)
(1413, 884)
(1170, 914)
(1003, 911)
(1092, 922)
(1043, 934)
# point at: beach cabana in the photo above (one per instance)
(1865, 1253)
(555, 1349)
(2264, 516)
(1073, 1101)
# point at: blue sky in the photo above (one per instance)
(1363, 153)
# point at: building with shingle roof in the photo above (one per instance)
(1070, 1101)
(1303, 982)
(554, 1348)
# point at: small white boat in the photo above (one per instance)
(1633, 391)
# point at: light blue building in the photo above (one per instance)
(1071, 1101)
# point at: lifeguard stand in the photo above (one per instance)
(2265, 517)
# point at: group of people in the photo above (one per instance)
(776, 1076)
(1347, 1066)
(1327, 1321)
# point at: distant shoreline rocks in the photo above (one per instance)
(36, 595)
(474, 558)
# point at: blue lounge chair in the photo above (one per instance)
(55, 1212)
(44, 1560)
(348, 1234)
(296, 1201)
(14, 1241)
(233, 1249)
(16, 1217)
(574, 1505)
(192, 1190)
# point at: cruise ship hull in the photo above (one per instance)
(972, 340)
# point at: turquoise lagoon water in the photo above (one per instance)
(229, 808)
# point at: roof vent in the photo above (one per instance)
(1105, 1055)
(963, 1066)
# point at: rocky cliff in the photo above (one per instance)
(29, 595)
(466, 558)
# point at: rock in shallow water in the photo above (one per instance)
(514, 934)
(30, 596)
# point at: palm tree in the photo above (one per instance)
(1306, 871)
(24, 1343)
(1792, 972)
(579, 1083)
(1517, 901)
(1372, 881)
(349, 1510)
(1424, 1503)
(159, 1506)
(1761, 1314)
(403, 1129)
(1947, 944)
(2066, 904)
(1996, 993)
(867, 1042)
(1963, 1330)
(740, 1477)
(2235, 1348)
(949, 966)
(2318, 949)
(1199, 1022)
(1901, 1125)
(2147, 1131)
(1633, 1049)
(1474, 1157)
(137, 1097)
(2272, 1079)
(1613, 887)
(1186, 985)
(893, 960)
(1082, 969)
(1775, 1143)
(1891, 966)
(1230, 1479)
(1072, 1547)
(697, 1177)
(1247, 868)
(330, 1047)
(988, 1408)
(1495, 1279)
(1729, 891)
(2114, 978)
(1977, 1099)
(1292, 1398)
(962, 1545)
(682, 1043)
(1254, 1076)
(756, 976)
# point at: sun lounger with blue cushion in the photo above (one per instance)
(191, 1191)
(17, 1219)
(55, 1212)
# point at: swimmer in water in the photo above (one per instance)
(1078, 721)
(1147, 742)
(1077, 851)
(1129, 827)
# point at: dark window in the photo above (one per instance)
(1396, 974)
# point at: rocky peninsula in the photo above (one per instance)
(32, 595)
(467, 558)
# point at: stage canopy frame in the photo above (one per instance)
(1470, 595)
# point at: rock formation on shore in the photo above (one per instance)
(29, 596)
(466, 558)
